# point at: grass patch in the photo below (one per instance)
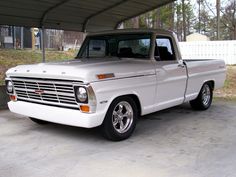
(228, 92)
(10, 58)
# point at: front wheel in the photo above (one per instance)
(120, 120)
(204, 99)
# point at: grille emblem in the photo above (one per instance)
(40, 92)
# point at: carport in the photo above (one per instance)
(176, 142)
(73, 15)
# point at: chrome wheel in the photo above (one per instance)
(122, 117)
(206, 94)
(204, 98)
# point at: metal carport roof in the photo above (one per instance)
(75, 15)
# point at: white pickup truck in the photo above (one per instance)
(116, 77)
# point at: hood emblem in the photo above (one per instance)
(40, 92)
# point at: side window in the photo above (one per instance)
(164, 49)
(97, 48)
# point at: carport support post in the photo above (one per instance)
(43, 44)
(21, 37)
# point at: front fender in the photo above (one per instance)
(142, 87)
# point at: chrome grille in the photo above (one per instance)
(46, 91)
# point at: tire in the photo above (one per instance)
(38, 121)
(120, 120)
(204, 99)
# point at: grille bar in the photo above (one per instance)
(45, 91)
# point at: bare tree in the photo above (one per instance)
(229, 18)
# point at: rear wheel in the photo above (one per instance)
(120, 120)
(38, 121)
(204, 99)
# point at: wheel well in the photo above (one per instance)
(212, 84)
(136, 100)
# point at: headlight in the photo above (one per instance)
(9, 87)
(81, 94)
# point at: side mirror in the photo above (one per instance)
(181, 63)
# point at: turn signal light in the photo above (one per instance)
(84, 108)
(105, 76)
(13, 97)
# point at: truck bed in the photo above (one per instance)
(200, 71)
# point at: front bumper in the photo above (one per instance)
(56, 114)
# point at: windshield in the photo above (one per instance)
(116, 45)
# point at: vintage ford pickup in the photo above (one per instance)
(116, 77)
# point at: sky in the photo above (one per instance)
(211, 3)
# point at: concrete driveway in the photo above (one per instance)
(177, 142)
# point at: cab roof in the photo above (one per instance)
(127, 31)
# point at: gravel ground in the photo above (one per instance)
(176, 142)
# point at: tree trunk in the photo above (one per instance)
(234, 35)
(135, 22)
(184, 20)
(199, 16)
(172, 16)
(218, 18)
(178, 24)
(158, 19)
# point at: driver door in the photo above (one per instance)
(171, 75)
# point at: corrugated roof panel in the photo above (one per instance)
(92, 15)
(68, 12)
(21, 11)
(92, 3)
(33, 5)
(19, 21)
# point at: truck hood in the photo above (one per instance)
(85, 70)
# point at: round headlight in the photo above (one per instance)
(9, 87)
(81, 94)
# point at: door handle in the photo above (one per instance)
(181, 65)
